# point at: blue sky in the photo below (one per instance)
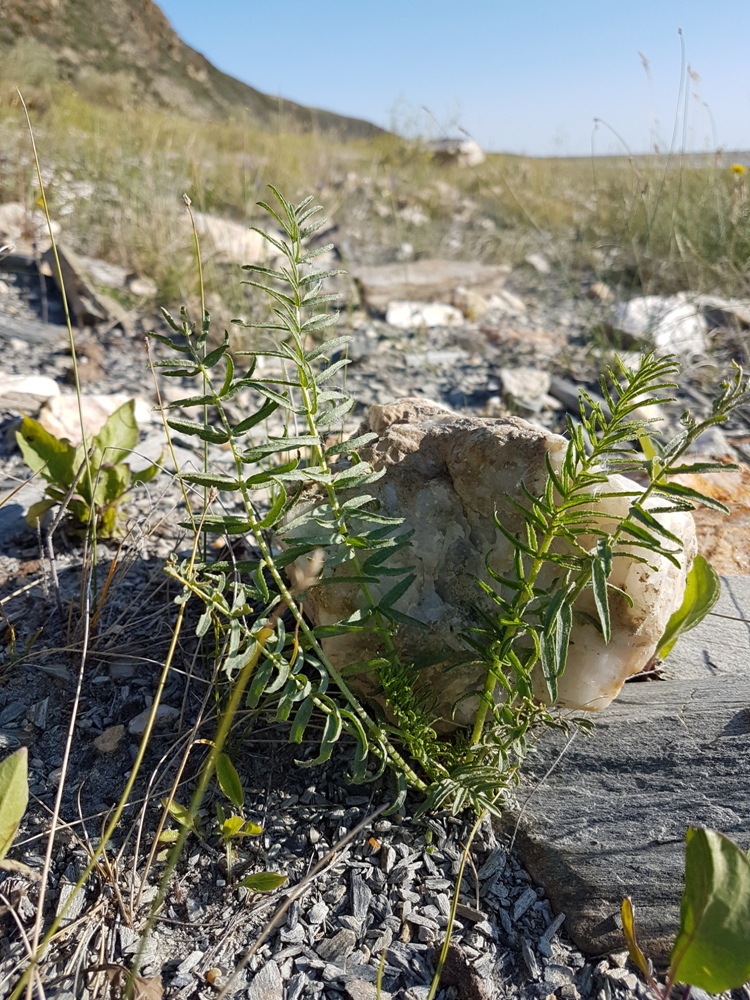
(528, 77)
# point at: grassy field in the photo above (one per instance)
(116, 176)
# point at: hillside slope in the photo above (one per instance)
(131, 41)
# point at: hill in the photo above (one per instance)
(136, 57)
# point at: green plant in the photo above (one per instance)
(712, 949)
(297, 486)
(702, 590)
(63, 466)
(14, 797)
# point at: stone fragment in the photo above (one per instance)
(471, 303)
(666, 755)
(337, 949)
(600, 292)
(26, 393)
(361, 896)
(104, 273)
(507, 302)
(462, 152)
(60, 417)
(539, 262)
(426, 281)
(363, 989)
(722, 312)
(142, 288)
(525, 387)
(447, 475)
(522, 904)
(413, 315)
(267, 983)
(672, 324)
(165, 716)
(231, 241)
(87, 306)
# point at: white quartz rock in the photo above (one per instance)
(595, 672)
(446, 475)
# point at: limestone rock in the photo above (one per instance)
(525, 387)
(446, 475)
(231, 241)
(413, 315)
(672, 323)
(26, 392)
(59, 414)
(426, 281)
(463, 152)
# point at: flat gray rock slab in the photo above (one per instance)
(31, 330)
(610, 819)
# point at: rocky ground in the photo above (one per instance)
(360, 885)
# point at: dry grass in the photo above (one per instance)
(116, 176)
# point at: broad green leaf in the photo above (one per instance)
(37, 511)
(180, 814)
(14, 796)
(44, 453)
(229, 781)
(143, 476)
(231, 827)
(119, 435)
(264, 881)
(712, 950)
(628, 929)
(702, 590)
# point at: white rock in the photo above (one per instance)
(59, 415)
(446, 475)
(507, 302)
(463, 152)
(232, 241)
(145, 288)
(413, 215)
(673, 323)
(596, 672)
(412, 315)
(26, 392)
(527, 387)
(103, 273)
(539, 262)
